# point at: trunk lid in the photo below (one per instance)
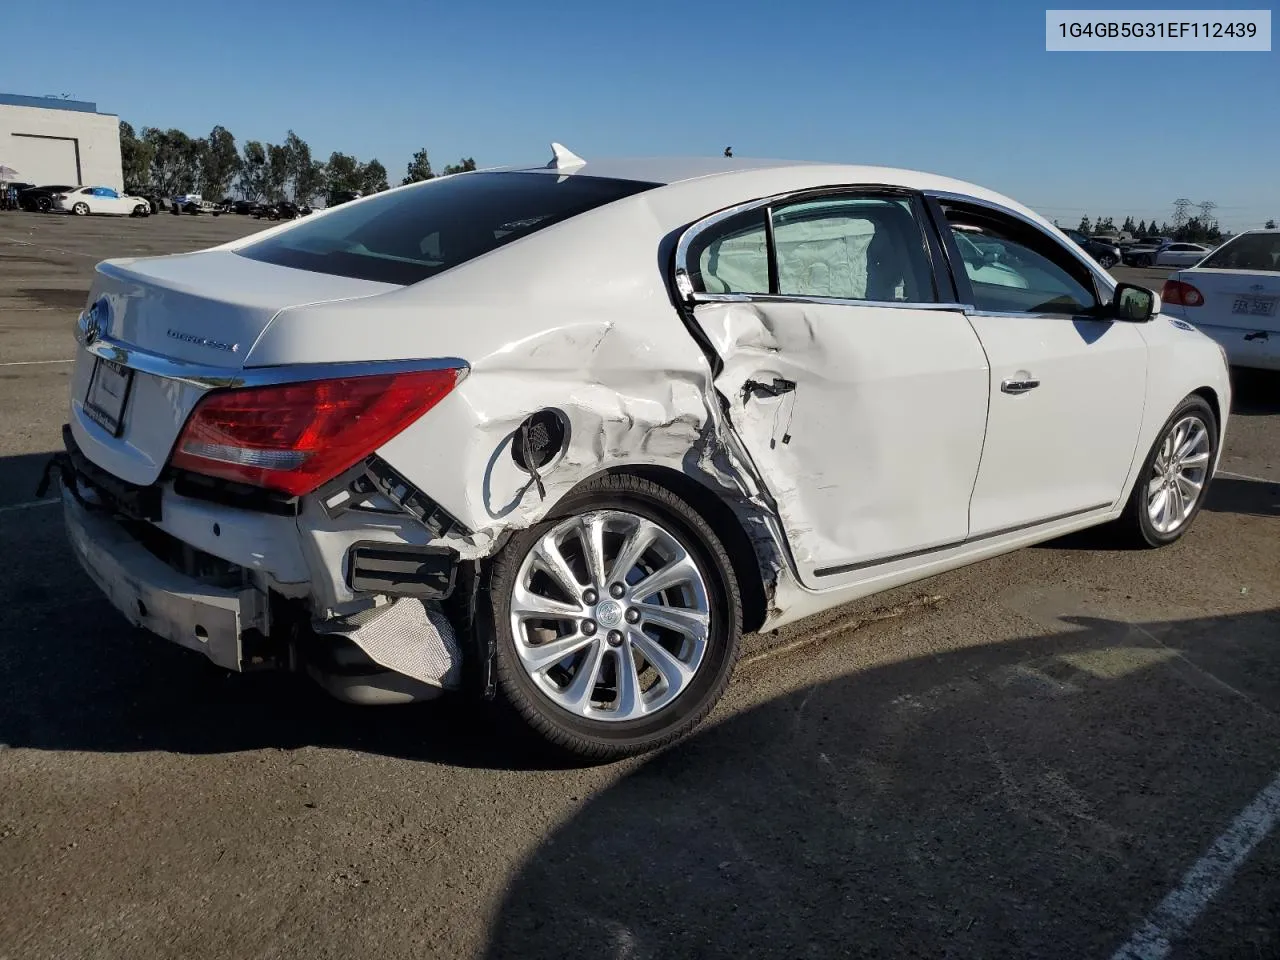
(202, 309)
(1245, 299)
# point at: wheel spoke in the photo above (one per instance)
(638, 540)
(525, 605)
(1188, 489)
(591, 534)
(1191, 440)
(679, 571)
(630, 702)
(1154, 487)
(1195, 460)
(1158, 507)
(692, 623)
(674, 671)
(577, 696)
(541, 656)
(551, 561)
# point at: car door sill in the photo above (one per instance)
(990, 535)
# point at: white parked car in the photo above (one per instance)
(1232, 296)
(562, 434)
(83, 201)
(1182, 255)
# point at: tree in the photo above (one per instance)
(135, 158)
(305, 176)
(1142, 228)
(220, 165)
(419, 168)
(1269, 225)
(1105, 225)
(279, 164)
(252, 170)
(373, 177)
(1085, 226)
(1127, 226)
(343, 172)
(175, 163)
(465, 165)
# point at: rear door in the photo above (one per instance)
(1067, 389)
(854, 381)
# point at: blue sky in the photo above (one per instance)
(964, 89)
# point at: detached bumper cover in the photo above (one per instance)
(151, 594)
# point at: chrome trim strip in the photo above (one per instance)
(893, 558)
(212, 378)
(971, 311)
(1109, 282)
(698, 297)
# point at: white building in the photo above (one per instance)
(52, 141)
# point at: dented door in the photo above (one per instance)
(864, 421)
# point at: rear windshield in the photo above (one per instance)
(1249, 251)
(410, 235)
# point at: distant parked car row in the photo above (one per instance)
(1106, 253)
(1164, 252)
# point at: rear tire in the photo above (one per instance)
(1107, 261)
(1175, 476)
(687, 642)
(80, 209)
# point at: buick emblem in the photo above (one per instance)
(92, 323)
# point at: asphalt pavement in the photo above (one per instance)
(1072, 751)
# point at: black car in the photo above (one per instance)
(245, 207)
(1104, 251)
(284, 210)
(343, 196)
(40, 199)
(153, 198)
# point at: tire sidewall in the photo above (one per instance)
(621, 737)
(1198, 406)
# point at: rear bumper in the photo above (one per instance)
(1246, 347)
(208, 619)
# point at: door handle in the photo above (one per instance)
(1018, 386)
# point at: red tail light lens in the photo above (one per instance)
(1183, 294)
(294, 437)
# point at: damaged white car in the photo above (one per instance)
(562, 434)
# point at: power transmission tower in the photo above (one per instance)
(1180, 208)
(1206, 212)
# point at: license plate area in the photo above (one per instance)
(108, 394)
(1251, 306)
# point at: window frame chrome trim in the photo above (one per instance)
(683, 283)
(698, 297)
(208, 377)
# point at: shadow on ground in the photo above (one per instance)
(1027, 799)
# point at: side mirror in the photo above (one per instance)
(1134, 304)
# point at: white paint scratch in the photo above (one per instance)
(1175, 914)
(30, 363)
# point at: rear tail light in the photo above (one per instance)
(294, 437)
(1182, 294)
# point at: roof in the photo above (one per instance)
(666, 169)
(48, 103)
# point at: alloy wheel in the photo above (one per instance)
(1178, 474)
(610, 616)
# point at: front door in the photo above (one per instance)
(1067, 388)
(860, 398)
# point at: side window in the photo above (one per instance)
(853, 248)
(732, 258)
(1015, 268)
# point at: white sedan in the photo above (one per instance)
(1233, 295)
(83, 201)
(562, 434)
(1182, 255)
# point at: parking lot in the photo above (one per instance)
(1071, 751)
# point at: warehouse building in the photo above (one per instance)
(47, 140)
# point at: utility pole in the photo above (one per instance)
(1180, 208)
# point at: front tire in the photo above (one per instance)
(1175, 476)
(617, 620)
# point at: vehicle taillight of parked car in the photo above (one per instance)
(1182, 294)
